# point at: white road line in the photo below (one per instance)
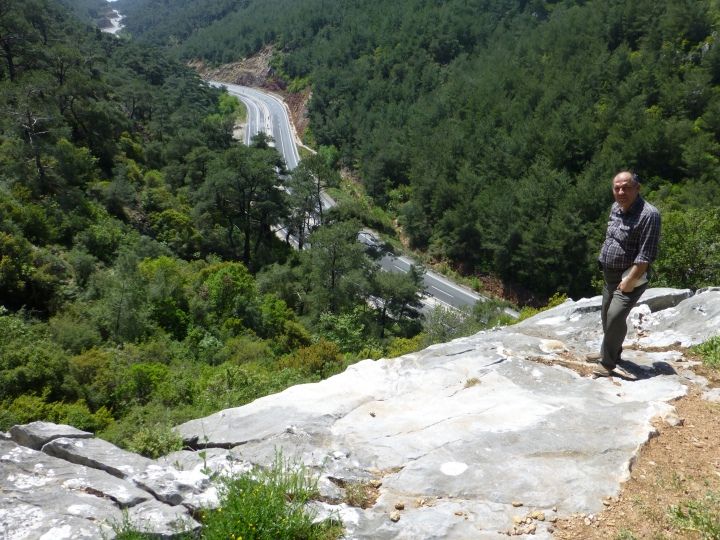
(453, 286)
(443, 292)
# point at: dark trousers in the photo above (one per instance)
(616, 306)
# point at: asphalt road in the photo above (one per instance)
(266, 112)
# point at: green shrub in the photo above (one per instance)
(79, 415)
(401, 346)
(30, 408)
(267, 504)
(74, 333)
(555, 300)
(710, 352)
(702, 517)
(321, 358)
(22, 410)
(154, 441)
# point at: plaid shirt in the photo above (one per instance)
(632, 236)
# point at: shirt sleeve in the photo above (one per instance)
(649, 240)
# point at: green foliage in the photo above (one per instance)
(74, 333)
(29, 408)
(267, 504)
(337, 268)
(154, 441)
(700, 516)
(529, 311)
(29, 361)
(709, 351)
(322, 358)
(347, 330)
(690, 249)
(492, 129)
(399, 346)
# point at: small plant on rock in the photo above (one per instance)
(268, 504)
(710, 352)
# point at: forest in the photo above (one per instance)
(141, 281)
(491, 128)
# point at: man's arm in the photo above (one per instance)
(648, 252)
(628, 283)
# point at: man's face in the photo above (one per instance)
(625, 190)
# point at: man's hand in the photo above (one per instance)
(627, 285)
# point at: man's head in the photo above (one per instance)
(625, 189)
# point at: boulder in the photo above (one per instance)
(36, 434)
(46, 497)
(165, 483)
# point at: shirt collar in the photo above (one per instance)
(634, 207)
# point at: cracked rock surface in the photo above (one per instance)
(461, 434)
(72, 488)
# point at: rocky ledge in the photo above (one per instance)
(500, 432)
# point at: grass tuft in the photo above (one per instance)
(267, 504)
(709, 351)
(700, 516)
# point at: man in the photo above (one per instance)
(631, 245)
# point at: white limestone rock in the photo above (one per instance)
(35, 434)
(452, 436)
(46, 497)
(470, 426)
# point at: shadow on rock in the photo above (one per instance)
(646, 372)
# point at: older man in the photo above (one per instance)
(631, 245)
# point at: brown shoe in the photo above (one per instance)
(593, 357)
(601, 371)
(624, 373)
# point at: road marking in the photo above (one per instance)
(453, 286)
(440, 290)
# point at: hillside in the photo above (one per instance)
(491, 129)
(502, 432)
(141, 282)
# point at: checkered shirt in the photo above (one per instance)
(632, 236)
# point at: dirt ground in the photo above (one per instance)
(679, 465)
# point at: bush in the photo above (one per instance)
(22, 410)
(710, 352)
(30, 408)
(401, 346)
(267, 504)
(555, 300)
(154, 441)
(322, 358)
(78, 415)
(74, 333)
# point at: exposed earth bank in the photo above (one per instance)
(256, 71)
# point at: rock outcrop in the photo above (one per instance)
(77, 486)
(502, 431)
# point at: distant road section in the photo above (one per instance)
(267, 112)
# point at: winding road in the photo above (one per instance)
(267, 113)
